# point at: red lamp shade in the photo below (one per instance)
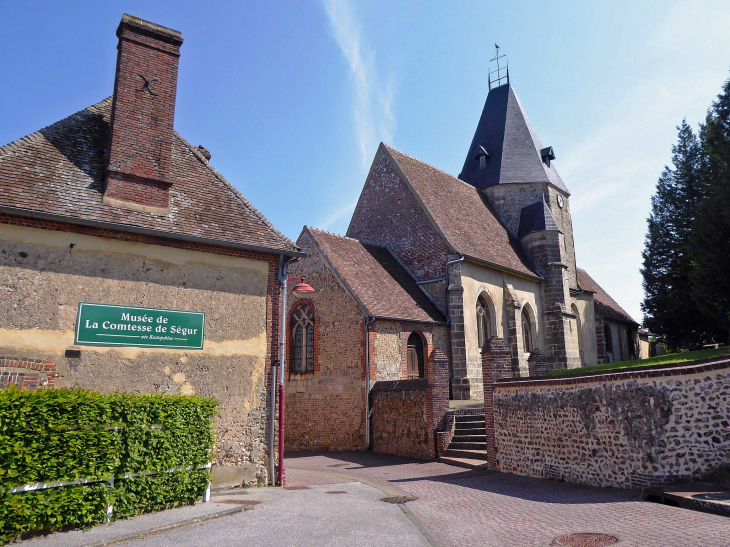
(302, 290)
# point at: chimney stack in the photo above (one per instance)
(143, 111)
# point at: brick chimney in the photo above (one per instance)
(143, 111)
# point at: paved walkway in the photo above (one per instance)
(461, 507)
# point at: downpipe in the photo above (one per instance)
(369, 322)
(283, 266)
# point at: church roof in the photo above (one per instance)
(605, 305)
(376, 278)
(515, 152)
(462, 215)
(536, 218)
(59, 172)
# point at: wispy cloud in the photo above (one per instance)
(337, 215)
(612, 173)
(373, 106)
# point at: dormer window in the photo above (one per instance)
(481, 156)
(547, 155)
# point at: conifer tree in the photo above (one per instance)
(710, 243)
(670, 312)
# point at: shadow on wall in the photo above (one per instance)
(505, 484)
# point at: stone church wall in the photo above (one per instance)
(626, 430)
(47, 268)
(477, 280)
(586, 314)
(389, 215)
(325, 409)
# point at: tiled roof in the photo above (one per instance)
(60, 170)
(604, 304)
(376, 278)
(506, 134)
(462, 215)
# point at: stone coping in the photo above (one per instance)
(668, 370)
(400, 385)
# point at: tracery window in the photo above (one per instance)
(484, 322)
(302, 348)
(527, 341)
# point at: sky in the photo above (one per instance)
(293, 97)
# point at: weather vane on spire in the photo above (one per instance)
(501, 72)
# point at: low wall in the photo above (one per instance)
(400, 423)
(626, 430)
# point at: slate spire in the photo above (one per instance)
(515, 153)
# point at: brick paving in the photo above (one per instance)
(461, 507)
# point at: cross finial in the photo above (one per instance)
(500, 75)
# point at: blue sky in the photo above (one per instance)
(292, 98)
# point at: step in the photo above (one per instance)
(473, 454)
(476, 430)
(469, 439)
(468, 446)
(469, 418)
(468, 463)
(470, 425)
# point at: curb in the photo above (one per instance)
(466, 465)
(658, 495)
(167, 527)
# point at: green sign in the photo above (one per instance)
(110, 325)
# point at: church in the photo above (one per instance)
(434, 263)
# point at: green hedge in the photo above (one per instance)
(65, 435)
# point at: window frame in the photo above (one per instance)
(306, 363)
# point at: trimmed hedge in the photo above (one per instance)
(71, 434)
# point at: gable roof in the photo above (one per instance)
(462, 215)
(603, 303)
(515, 151)
(59, 171)
(376, 278)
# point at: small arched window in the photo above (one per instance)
(415, 356)
(527, 341)
(484, 322)
(302, 348)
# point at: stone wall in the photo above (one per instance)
(400, 422)
(325, 409)
(47, 268)
(625, 430)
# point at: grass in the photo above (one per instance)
(662, 360)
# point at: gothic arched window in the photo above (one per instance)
(484, 322)
(302, 348)
(527, 341)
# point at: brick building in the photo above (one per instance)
(491, 250)
(112, 206)
(367, 322)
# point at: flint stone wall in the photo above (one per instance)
(626, 430)
(400, 420)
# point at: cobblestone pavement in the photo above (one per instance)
(460, 507)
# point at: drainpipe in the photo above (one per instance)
(282, 349)
(446, 287)
(369, 322)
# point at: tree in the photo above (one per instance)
(669, 308)
(710, 243)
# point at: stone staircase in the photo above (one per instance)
(470, 438)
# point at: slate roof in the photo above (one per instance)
(376, 278)
(462, 215)
(604, 304)
(505, 132)
(60, 170)
(536, 218)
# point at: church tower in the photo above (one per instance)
(509, 165)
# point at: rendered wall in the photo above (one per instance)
(586, 312)
(44, 274)
(626, 430)
(477, 279)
